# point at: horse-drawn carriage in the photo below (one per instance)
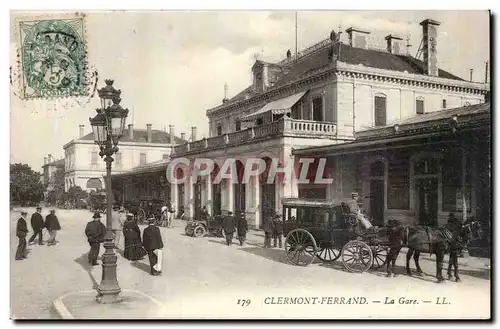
(97, 202)
(200, 228)
(145, 208)
(329, 230)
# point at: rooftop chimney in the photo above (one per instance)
(288, 55)
(193, 134)
(150, 133)
(470, 75)
(81, 130)
(225, 100)
(183, 136)
(357, 37)
(131, 131)
(171, 133)
(429, 46)
(486, 73)
(394, 44)
(44, 160)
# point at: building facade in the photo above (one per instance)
(85, 168)
(49, 168)
(324, 96)
(419, 170)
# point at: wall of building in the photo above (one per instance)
(355, 102)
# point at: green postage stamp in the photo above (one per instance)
(53, 58)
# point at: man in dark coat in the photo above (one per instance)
(153, 243)
(95, 232)
(268, 231)
(229, 226)
(242, 227)
(21, 232)
(37, 226)
(278, 231)
(52, 225)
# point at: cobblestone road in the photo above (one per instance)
(204, 278)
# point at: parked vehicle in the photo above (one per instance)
(328, 230)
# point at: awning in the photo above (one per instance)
(280, 106)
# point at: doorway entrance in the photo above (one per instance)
(426, 201)
(377, 201)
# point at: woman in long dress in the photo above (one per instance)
(133, 244)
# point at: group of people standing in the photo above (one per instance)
(135, 247)
(51, 223)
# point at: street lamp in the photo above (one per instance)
(108, 126)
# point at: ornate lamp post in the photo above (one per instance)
(108, 126)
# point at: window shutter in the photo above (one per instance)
(420, 106)
(380, 111)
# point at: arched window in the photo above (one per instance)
(380, 106)
(419, 105)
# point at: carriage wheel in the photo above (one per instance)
(199, 231)
(328, 253)
(379, 256)
(357, 256)
(141, 216)
(300, 247)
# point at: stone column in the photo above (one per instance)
(230, 196)
(174, 197)
(188, 197)
(464, 183)
(208, 194)
(256, 197)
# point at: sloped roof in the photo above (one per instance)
(151, 167)
(141, 135)
(355, 56)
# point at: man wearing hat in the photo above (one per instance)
(37, 226)
(118, 218)
(229, 226)
(277, 230)
(52, 225)
(95, 232)
(153, 243)
(21, 232)
(268, 231)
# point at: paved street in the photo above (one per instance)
(205, 278)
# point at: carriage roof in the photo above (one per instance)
(316, 203)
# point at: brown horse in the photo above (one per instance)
(432, 240)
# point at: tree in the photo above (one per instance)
(25, 184)
(75, 193)
(58, 187)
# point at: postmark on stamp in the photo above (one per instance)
(52, 58)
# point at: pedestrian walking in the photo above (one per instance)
(95, 232)
(37, 226)
(153, 243)
(133, 245)
(52, 225)
(164, 216)
(229, 226)
(21, 232)
(170, 213)
(204, 214)
(117, 221)
(278, 231)
(268, 232)
(242, 227)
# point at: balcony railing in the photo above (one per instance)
(285, 127)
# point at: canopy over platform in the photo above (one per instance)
(280, 106)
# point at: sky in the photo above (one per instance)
(172, 66)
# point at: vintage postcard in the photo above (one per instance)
(250, 165)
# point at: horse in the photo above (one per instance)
(432, 240)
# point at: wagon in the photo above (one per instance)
(329, 230)
(200, 228)
(145, 208)
(97, 202)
